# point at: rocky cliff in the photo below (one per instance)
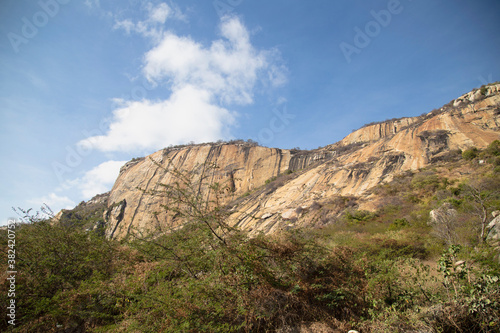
(269, 189)
(241, 167)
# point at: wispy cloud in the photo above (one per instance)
(153, 25)
(229, 68)
(100, 179)
(92, 3)
(54, 201)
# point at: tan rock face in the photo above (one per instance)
(240, 168)
(350, 167)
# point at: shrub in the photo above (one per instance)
(494, 148)
(470, 154)
(272, 179)
(359, 215)
(428, 181)
(399, 224)
(54, 260)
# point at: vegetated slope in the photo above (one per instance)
(88, 215)
(394, 269)
(268, 188)
(416, 252)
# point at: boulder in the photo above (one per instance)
(443, 214)
(494, 231)
(493, 237)
(289, 214)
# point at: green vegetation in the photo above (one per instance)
(470, 154)
(385, 271)
(491, 153)
(272, 179)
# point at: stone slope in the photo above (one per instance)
(242, 167)
(359, 162)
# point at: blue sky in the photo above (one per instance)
(87, 85)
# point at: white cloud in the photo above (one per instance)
(96, 181)
(126, 25)
(277, 75)
(92, 3)
(153, 25)
(229, 68)
(100, 179)
(188, 115)
(203, 80)
(158, 14)
(54, 201)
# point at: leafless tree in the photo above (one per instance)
(481, 197)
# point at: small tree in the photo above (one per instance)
(444, 223)
(190, 197)
(482, 197)
(470, 154)
(53, 259)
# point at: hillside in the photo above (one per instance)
(396, 228)
(268, 187)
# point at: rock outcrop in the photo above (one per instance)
(271, 189)
(88, 215)
(240, 167)
(494, 230)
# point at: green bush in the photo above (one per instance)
(52, 260)
(399, 224)
(272, 179)
(470, 154)
(428, 181)
(359, 215)
(494, 148)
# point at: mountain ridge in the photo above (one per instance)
(268, 189)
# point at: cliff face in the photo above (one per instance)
(240, 167)
(360, 161)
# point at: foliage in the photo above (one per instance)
(358, 215)
(470, 154)
(373, 272)
(399, 224)
(52, 260)
(483, 90)
(272, 179)
(428, 181)
(493, 148)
